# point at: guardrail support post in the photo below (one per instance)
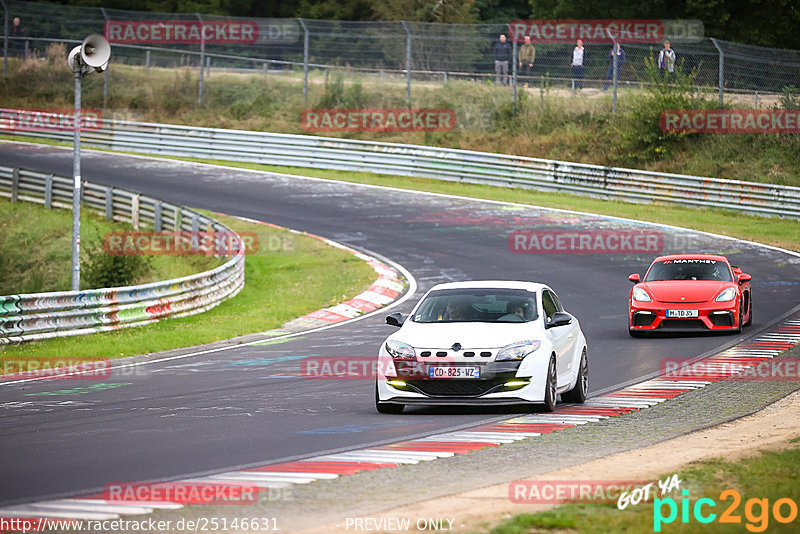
(48, 191)
(178, 219)
(14, 184)
(305, 60)
(408, 63)
(157, 216)
(721, 72)
(109, 203)
(147, 59)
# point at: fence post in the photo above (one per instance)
(305, 60)
(615, 55)
(721, 71)
(109, 203)
(14, 184)
(408, 63)
(105, 74)
(5, 39)
(208, 66)
(147, 59)
(202, 59)
(514, 74)
(135, 211)
(48, 191)
(157, 216)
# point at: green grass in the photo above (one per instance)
(281, 283)
(36, 250)
(547, 124)
(771, 476)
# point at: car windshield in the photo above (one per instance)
(689, 269)
(469, 305)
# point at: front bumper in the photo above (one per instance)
(712, 316)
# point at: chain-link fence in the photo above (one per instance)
(406, 52)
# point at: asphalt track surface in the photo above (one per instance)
(242, 406)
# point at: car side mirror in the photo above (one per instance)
(558, 319)
(395, 319)
(744, 277)
(635, 278)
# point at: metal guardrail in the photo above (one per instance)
(67, 313)
(439, 163)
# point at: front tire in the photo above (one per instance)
(578, 393)
(750, 310)
(385, 407)
(550, 391)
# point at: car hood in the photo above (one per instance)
(685, 291)
(469, 335)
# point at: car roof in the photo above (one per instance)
(492, 284)
(692, 256)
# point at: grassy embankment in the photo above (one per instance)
(289, 276)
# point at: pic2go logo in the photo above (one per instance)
(756, 511)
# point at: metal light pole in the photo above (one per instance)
(91, 56)
(76, 187)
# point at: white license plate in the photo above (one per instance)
(682, 314)
(451, 371)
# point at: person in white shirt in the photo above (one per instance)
(577, 65)
(666, 60)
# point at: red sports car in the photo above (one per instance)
(689, 293)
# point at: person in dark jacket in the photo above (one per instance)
(16, 34)
(620, 63)
(502, 57)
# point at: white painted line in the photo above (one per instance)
(38, 510)
(114, 507)
(260, 483)
(148, 504)
(367, 459)
(465, 439)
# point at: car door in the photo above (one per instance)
(559, 335)
(570, 357)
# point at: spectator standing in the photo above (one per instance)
(577, 65)
(527, 55)
(620, 62)
(666, 60)
(502, 58)
(16, 35)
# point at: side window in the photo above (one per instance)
(548, 304)
(557, 302)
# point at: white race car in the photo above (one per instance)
(483, 343)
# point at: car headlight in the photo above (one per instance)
(726, 295)
(641, 295)
(400, 351)
(517, 351)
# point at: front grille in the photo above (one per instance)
(721, 319)
(682, 324)
(455, 388)
(643, 319)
